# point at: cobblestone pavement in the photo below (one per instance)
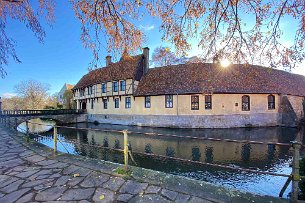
(26, 176)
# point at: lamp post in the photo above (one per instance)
(0, 104)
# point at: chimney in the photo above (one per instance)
(146, 59)
(108, 60)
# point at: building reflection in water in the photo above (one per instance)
(264, 157)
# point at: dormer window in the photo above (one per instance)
(115, 86)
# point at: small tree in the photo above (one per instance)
(162, 56)
(68, 100)
(33, 93)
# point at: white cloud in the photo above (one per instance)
(147, 27)
(8, 95)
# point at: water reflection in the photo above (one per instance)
(263, 157)
(34, 126)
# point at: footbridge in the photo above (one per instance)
(15, 117)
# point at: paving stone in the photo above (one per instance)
(46, 162)
(33, 183)
(75, 180)
(197, 199)
(26, 174)
(149, 199)
(182, 198)
(77, 194)
(152, 189)
(133, 187)
(108, 196)
(50, 194)
(169, 194)
(26, 153)
(25, 198)
(6, 181)
(42, 177)
(124, 197)
(41, 172)
(114, 183)
(70, 170)
(62, 180)
(82, 171)
(56, 175)
(34, 158)
(11, 163)
(93, 180)
(57, 165)
(12, 197)
(12, 187)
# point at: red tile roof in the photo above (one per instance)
(210, 78)
(121, 70)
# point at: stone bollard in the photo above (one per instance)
(295, 170)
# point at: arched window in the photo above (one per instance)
(245, 103)
(271, 101)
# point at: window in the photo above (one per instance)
(92, 103)
(115, 86)
(105, 103)
(168, 101)
(104, 88)
(82, 92)
(271, 102)
(90, 90)
(116, 103)
(122, 85)
(127, 103)
(208, 101)
(147, 101)
(245, 100)
(195, 102)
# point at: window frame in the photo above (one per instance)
(169, 101)
(105, 103)
(208, 102)
(271, 104)
(244, 103)
(116, 103)
(194, 102)
(104, 87)
(147, 102)
(122, 85)
(127, 102)
(92, 103)
(115, 86)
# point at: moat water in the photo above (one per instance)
(261, 157)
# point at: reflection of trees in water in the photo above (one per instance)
(170, 152)
(105, 142)
(246, 152)
(270, 154)
(148, 149)
(209, 157)
(196, 154)
(117, 144)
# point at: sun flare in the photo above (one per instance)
(225, 63)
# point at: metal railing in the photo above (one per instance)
(295, 145)
(16, 113)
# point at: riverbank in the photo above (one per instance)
(30, 172)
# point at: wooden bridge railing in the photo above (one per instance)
(15, 113)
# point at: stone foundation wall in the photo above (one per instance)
(190, 121)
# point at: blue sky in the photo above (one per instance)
(61, 58)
